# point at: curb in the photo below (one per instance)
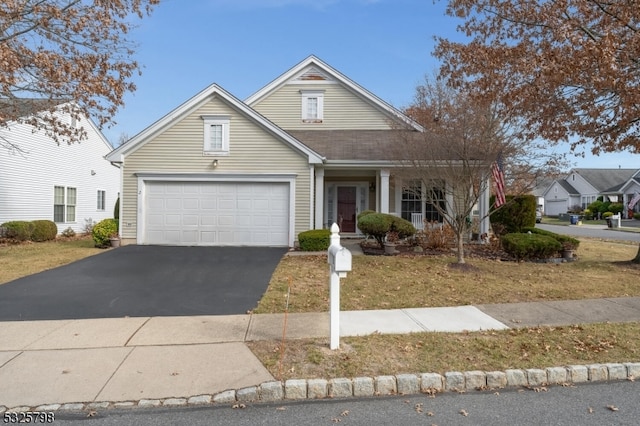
(401, 384)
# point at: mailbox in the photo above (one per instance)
(340, 259)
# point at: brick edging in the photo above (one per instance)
(401, 384)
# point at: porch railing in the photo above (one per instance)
(416, 220)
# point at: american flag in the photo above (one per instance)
(634, 200)
(497, 172)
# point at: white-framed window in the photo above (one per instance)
(101, 197)
(216, 135)
(64, 204)
(312, 106)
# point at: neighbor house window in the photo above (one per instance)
(312, 106)
(216, 135)
(58, 204)
(71, 204)
(101, 200)
(64, 204)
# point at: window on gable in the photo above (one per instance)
(101, 200)
(312, 106)
(64, 204)
(216, 135)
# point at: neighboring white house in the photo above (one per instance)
(582, 187)
(68, 184)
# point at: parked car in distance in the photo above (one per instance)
(538, 216)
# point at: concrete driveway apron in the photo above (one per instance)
(145, 281)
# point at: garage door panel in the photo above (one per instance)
(216, 213)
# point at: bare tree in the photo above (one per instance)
(66, 58)
(450, 162)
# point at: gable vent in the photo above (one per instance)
(313, 74)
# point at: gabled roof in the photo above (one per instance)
(603, 180)
(313, 68)
(564, 185)
(195, 102)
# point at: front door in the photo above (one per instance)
(347, 208)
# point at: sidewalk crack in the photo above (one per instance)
(126, 344)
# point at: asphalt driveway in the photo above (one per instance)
(141, 281)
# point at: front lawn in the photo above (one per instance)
(393, 282)
(20, 260)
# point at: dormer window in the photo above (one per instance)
(216, 135)
(312, 106)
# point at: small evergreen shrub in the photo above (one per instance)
(20, 230)
(530, 246)
(636, 216)
(314, 240)
(519, 212)
(616, 208)
(566, 241)
(364, 213)
(44, 230)
(103, 231)
(607, 215)
(378, 225)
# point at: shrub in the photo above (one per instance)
(567, 242)
(530, 246)
(607, 215)
(69, 232)
(519, 212)
(436, 236)
(44, 230)
(314, 240)
(379, 224)
(104, 230)
(636, 216)
(20, 230)
(376, 225)
(364, 213)
(616, 208)
(87, 228)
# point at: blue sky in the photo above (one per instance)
(383, 45)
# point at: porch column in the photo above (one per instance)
(319, 198)
(384, 191)
(483, 207)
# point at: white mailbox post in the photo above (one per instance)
(339, 259)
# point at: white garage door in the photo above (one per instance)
(554, 208)
(216, 213)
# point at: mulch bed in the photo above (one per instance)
(482, 251)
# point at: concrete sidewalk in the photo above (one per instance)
(127, 361)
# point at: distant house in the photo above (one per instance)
(582, 187)
(67, 183)
(309, 149)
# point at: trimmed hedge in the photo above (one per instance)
(519, 212)
(565, 240)
(314, 240)
(379, 224)
(530, 246)
(103, 230)
(20, 230)
(44, 230)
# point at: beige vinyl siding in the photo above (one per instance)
(342, 109)
(179, 149)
